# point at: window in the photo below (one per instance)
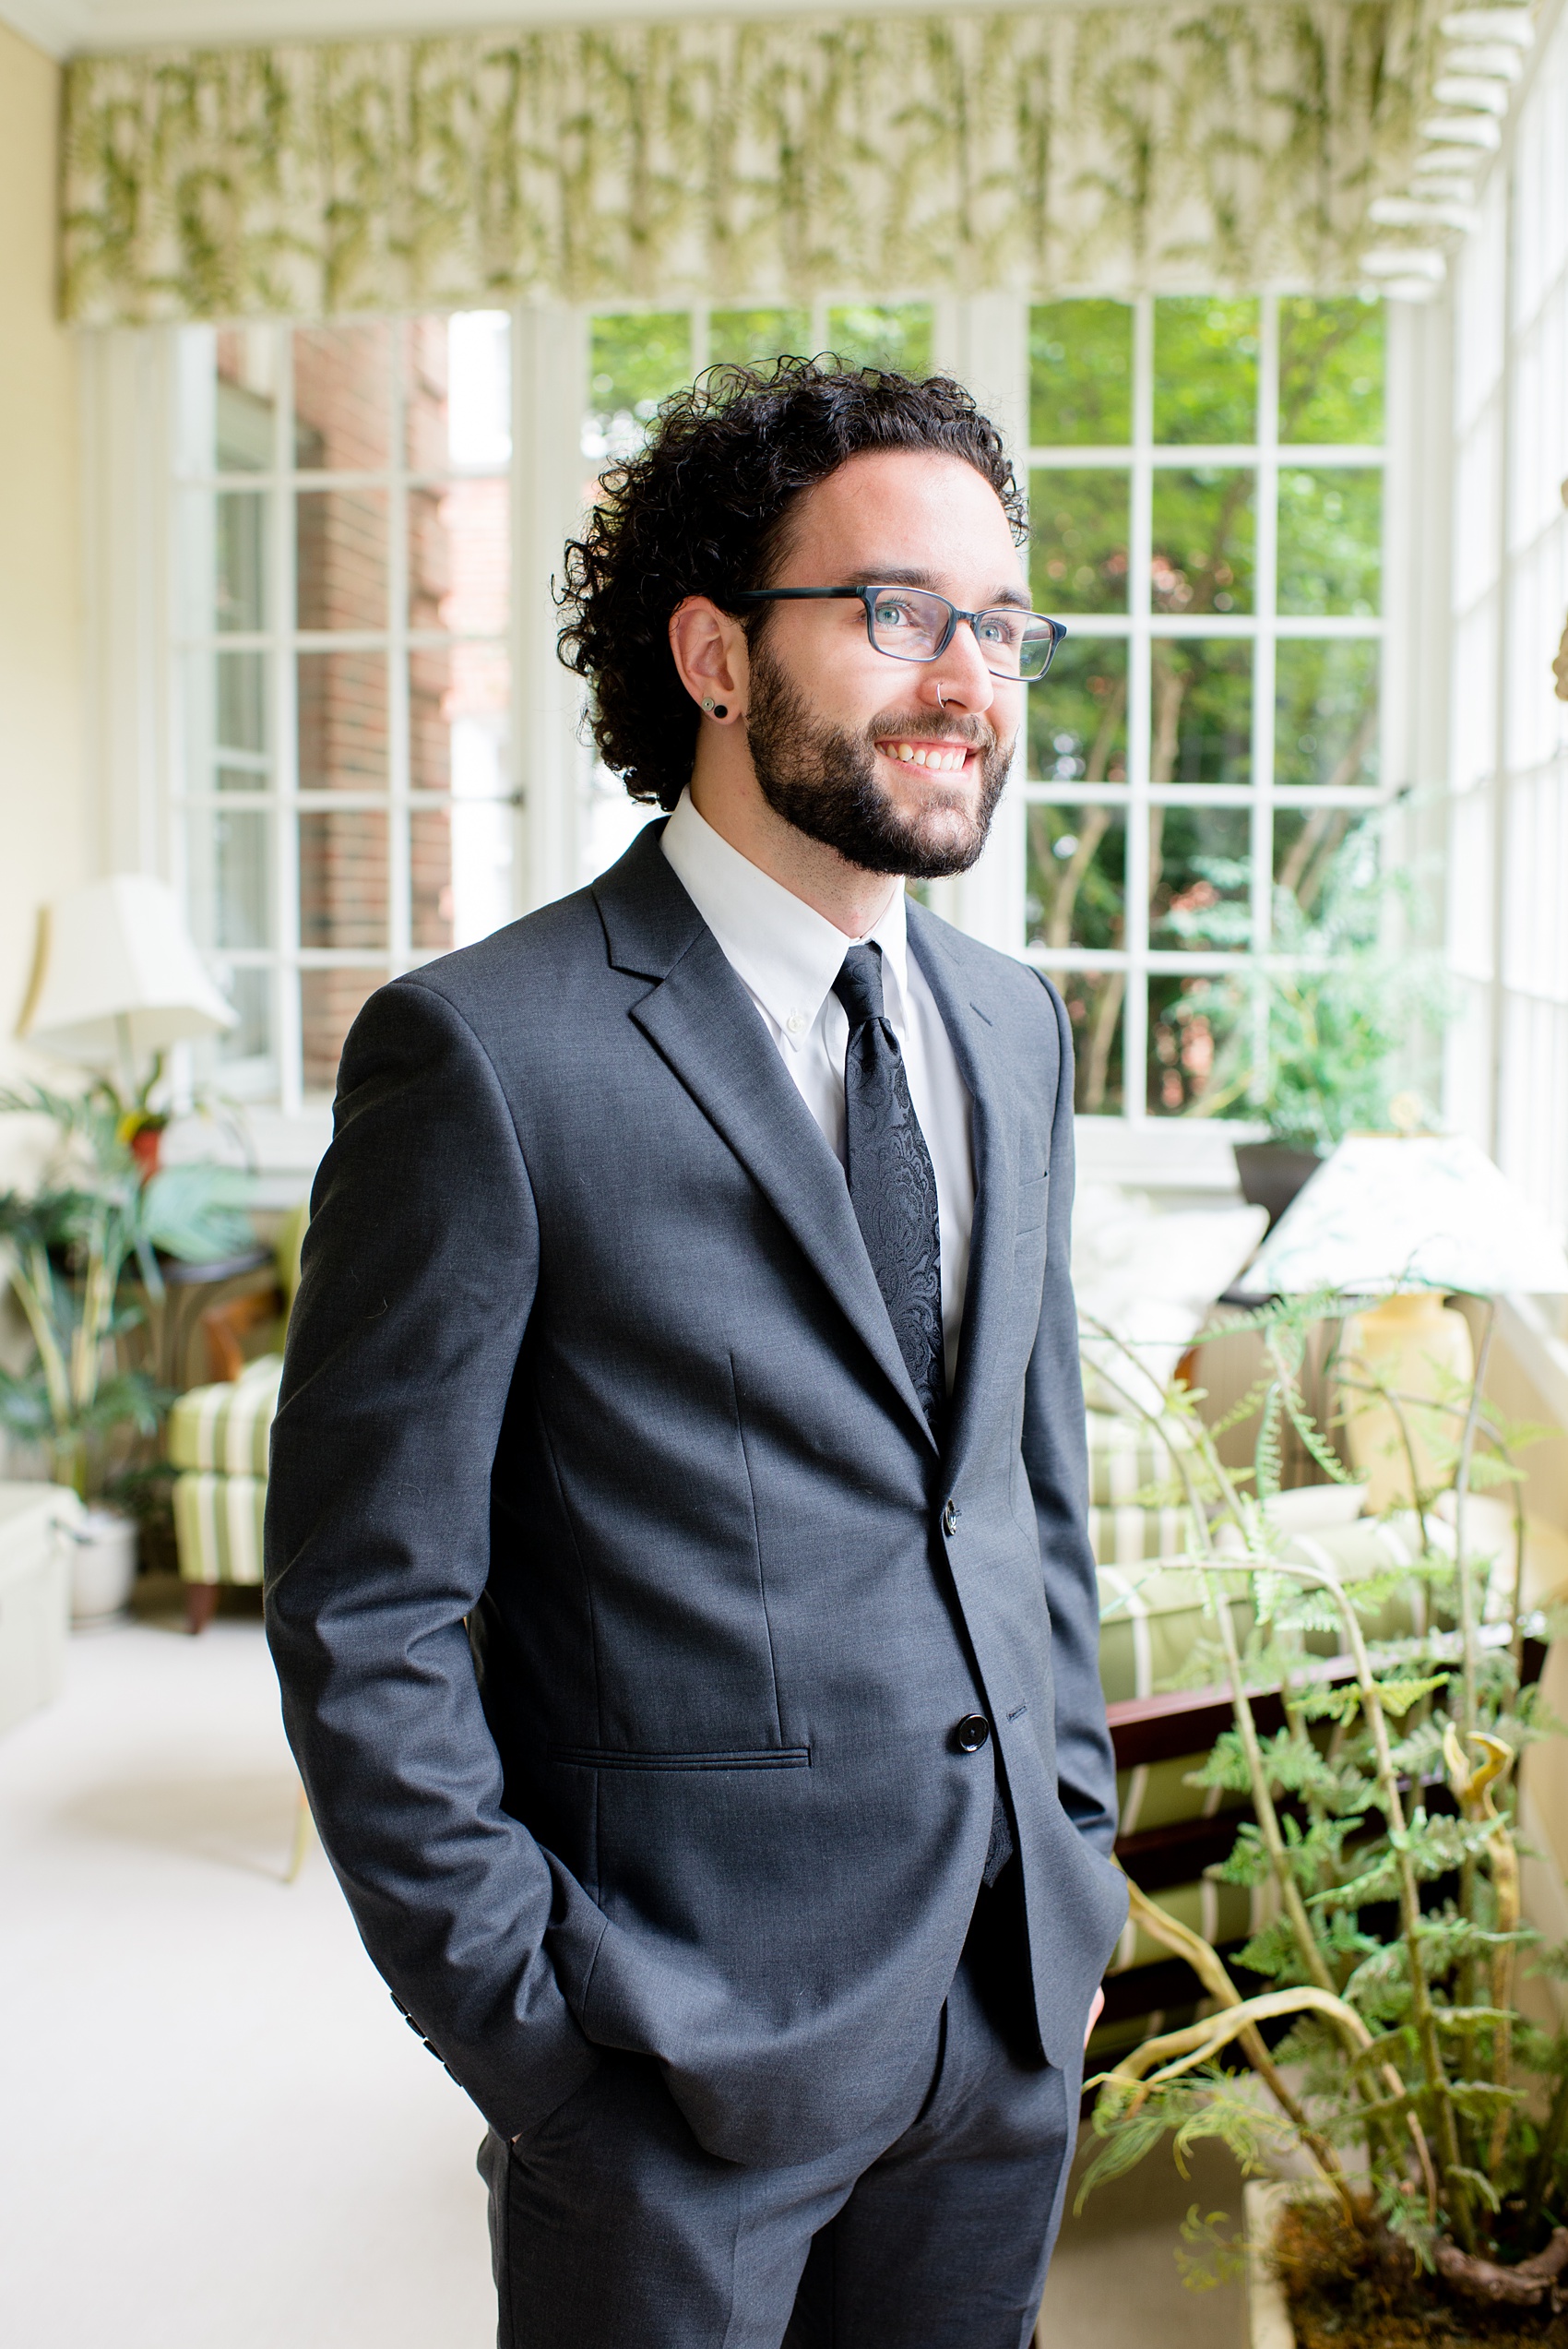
(351, 796)
(343, 550)
(1507, 1075)
(1206, 499)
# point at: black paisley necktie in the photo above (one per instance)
(893, 1191)
(892, 1186)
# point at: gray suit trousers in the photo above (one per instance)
(611, 2228)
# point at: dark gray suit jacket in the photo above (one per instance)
(623, 1607)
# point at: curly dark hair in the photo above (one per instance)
(704, 509)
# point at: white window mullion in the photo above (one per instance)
(399, 855)
(1264, 607)
(1135, 1009)
(285, 706)
(549, 400)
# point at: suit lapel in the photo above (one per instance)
(699, 1018)
(977, 1048)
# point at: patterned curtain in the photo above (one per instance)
(1071, 146)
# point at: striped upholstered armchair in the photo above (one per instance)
(218, 1438)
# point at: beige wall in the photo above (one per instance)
(44, 845)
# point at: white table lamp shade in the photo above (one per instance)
(118, 969)
(1429, 1212)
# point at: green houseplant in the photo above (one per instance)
(80, 1256)
(1432, 2111)
(1309, 1045)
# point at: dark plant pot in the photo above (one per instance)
(1271, 1173)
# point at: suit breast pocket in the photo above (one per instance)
(1032, 1194)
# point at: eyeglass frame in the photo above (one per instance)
(863, 596)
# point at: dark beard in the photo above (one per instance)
(823, 780)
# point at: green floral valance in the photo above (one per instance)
(1072, 146)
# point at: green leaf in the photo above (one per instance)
(196, 1212)
(1210, 2258)
(1397, 1696)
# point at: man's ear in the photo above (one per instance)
(708, 648)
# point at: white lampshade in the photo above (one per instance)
(118, 972)
(1431, 1212)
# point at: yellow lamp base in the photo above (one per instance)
(1417, 1347)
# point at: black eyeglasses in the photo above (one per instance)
(914, 624)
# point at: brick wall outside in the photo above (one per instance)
(458, 578)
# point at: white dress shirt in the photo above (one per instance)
(787, 956)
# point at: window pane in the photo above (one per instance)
(1305, 842)
(897, 337)
(343, 722)
(1094, 1001)
(331, 1001)
(1200, 877)
(1331, 540)
(636, 358)
(1201, 697)
(459, 703)
(229, 856)
(461, 864)
(1205, 370)
(340, 558)
(1325, 713)
(1080, 373)
(430, 878)
(1078, 719)
(457, 390)
(1078, 546)
(1202, 540)
(1075, 876)
(226, 723)
(241, 704)
(1331, 370)
(250, 992)
(240, 561)
(343, 878)
(461, 556)
(246, 400)
(750, 338)
(343, 399)
(1196, 1040)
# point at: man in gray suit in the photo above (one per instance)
(676, 1556)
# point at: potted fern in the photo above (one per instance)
(1388, 2048)
(81, 1255)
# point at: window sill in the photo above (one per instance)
(1191, 1156)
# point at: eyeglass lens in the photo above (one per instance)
(908, 625)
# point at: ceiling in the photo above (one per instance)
(65, 28)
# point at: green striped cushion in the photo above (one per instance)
(1150, 1618)
(1128, 1537)
(1127, 1459)
(217, 1527)
(229, 1426)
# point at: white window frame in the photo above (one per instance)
(129, 407)
(1140, 627)
(1507, 1051)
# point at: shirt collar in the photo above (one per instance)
(787, 954)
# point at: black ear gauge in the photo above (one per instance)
(719, 709)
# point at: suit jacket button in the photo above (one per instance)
(971, 1732)
(950, 1519)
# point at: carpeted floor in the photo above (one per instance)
(215, 2131)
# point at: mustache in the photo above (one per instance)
(973, 733)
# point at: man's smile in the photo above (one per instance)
(940, 758)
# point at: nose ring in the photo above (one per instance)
(939, 703)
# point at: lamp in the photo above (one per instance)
(1404, 1221)
(118, 978)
